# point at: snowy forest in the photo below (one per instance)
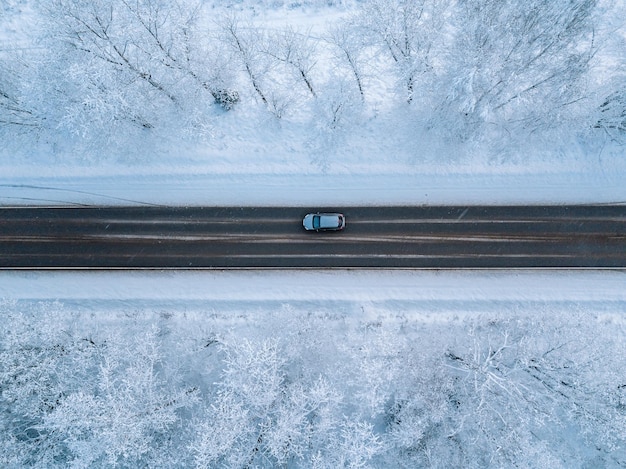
(479, 73)
(144, 388)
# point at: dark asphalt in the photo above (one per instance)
(592, 236)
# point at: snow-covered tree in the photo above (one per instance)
(612, 112)
(261, 415)
(111, 65)
(13, 112)
(408, 33)
(39, 362)
(518, 65)
(77, 400)
(296, 51)
(130, 412)
(276, 63)
(306, 390)
(609, 112)
(349, 47)
(245, 45)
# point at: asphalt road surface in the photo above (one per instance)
(375, 237)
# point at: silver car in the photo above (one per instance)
(324, 222)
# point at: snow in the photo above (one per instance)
(359, 297)
(319, 286)
(268, 163)
(313, 189)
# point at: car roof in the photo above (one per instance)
(329, 219)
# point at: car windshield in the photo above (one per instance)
(316, 222)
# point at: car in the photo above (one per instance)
(324, 222)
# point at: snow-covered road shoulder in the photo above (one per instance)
(362, 286)
(313, 189)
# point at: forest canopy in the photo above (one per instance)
(296, 388)
(460, 70)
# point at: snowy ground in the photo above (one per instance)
(314, 189)
(424, 289)
(249, 297)
(415, 297)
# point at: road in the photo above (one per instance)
(591, 236)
